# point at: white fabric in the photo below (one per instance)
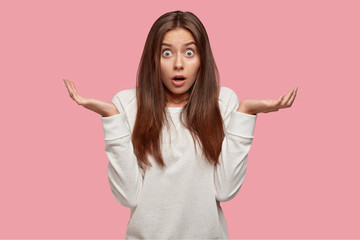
(181, 201)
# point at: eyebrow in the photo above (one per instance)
(186, 44)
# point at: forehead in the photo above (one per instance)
(178, 35)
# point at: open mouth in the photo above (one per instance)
(178, 78)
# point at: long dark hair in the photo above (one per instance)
(201, 114)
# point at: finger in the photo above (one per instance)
(292, 94)
(77, 97)
(72, 92)
(292, 98)
(67, 84)
(73, 87)
(279, 100)
(69, 87)
(287, 97)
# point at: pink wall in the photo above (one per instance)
(302, 179)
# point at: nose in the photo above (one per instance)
(178, 63)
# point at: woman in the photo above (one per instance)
(177, 144)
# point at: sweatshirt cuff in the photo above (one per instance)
(242, 124)
(115, 126)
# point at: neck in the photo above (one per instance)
(176, 100)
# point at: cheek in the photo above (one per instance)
(196, 66)
(196, 61)
(164, 71)
(164, 67)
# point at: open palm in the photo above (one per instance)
(255, 106)
(105, 109)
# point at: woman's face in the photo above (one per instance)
(179, 65)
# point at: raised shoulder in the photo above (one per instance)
(228, 102)
(125, 101)
(227, 98)
(225, 93)
(126, 95)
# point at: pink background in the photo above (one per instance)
(302, 179)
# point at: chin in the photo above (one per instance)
(179, 90)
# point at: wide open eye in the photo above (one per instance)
(166, 53)
(189, 52)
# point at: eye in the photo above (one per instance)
(166, 53)
(189, 52)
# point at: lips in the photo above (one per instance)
(178, 78)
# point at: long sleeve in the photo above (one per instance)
(230, 174)
(125, 175)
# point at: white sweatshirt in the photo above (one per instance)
(181, 201)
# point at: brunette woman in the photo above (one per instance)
(178, 143)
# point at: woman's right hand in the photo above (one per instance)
(105, 109)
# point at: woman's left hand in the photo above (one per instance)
(255, 106)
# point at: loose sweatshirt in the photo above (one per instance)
(182, 200)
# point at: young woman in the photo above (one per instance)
(177, 144)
